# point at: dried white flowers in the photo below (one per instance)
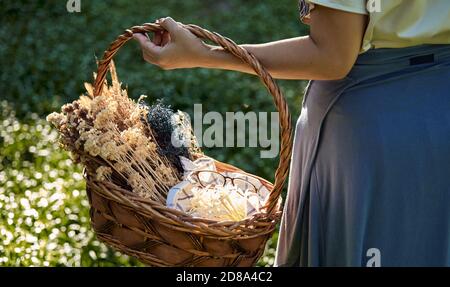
(221, 203)
(220, 196)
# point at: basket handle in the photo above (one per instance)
(284, 116)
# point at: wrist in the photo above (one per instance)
(210, 57)
(216, 57)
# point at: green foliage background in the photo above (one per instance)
(47, 53)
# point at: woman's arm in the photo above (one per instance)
(328, 53)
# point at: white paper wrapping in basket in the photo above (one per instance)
(181, 195)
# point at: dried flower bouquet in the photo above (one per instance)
(111, 137)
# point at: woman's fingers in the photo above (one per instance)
(141, 38)
(165, 38)
(173, 47)
(150, 50)
(171, 26)
(157, 38)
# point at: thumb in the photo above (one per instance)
(147, 46)
(142, 39)
(170, 25)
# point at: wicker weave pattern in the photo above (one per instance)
(160, 236)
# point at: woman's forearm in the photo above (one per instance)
(296, 58)
(328, 53)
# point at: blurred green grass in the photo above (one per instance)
(44, 212)
(47, 53)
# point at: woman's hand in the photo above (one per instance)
(174, 48)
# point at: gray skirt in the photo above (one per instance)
(370, 174)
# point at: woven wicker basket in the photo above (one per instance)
(159, 236)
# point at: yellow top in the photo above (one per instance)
(399, 23)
